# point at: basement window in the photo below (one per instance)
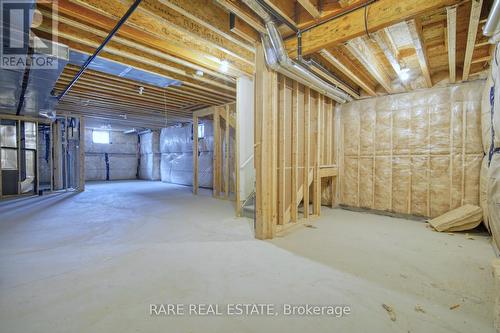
(201, 131)
(100, 137)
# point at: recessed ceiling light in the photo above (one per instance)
(199, 73)
(224, 66)
(404, 74)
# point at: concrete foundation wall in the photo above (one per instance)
(122, 157)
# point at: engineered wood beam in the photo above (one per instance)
(206, 13)
(310, 8)
(451, 29)
(242, 29)
(381, 14)
(243, 12)
(475, 14)
(363, 52)
(415, 29)
(340, 62)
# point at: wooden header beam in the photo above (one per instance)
(381, 14)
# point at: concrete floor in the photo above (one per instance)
(94, 261)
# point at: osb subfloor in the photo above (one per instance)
(94, 261)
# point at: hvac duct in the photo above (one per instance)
(278, 60)
(491, 26)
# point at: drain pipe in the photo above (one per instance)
(277, 58)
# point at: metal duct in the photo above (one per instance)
(491, 25)
(37, 99)
(278, 60)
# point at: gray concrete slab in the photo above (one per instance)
(95, 261)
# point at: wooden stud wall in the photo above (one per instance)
(225, 150)
(295, 157)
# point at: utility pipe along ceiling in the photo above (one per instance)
(278, 60)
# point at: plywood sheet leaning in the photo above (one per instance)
(463, 218)
(417, 153)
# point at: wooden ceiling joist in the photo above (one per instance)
(285, 8)
(451, 29)
(415, 29)
(133, 57)
(339, 62)
(475, 14)
(154, 17)
(310, 7)
(362, 51)
(382, 41)
(242, 29)
(380, 14)
(167, 41)
(243, 12)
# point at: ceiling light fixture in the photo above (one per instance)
(404, 74)
(224, 66)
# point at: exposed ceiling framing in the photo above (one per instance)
(369, 47)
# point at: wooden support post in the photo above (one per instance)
(195, 154)
(307, 147)
(295, 151)
(216, 166)
(81, 144)
(317, 177)
(237, 161)
(281, 152)
(266, 98)
(226, 155)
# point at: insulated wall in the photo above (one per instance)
(149, 163)
(176, 147)
(114, 161)
(417, 153)
(490, 176)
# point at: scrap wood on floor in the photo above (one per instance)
(463, 218)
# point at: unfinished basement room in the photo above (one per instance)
(250, 166)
